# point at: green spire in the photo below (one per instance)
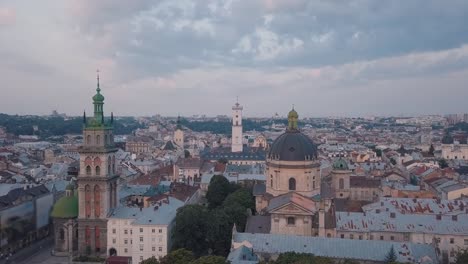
(292, 120)
(98, 101)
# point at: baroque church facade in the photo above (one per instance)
(293, 197)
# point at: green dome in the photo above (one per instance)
(340, 164)
(66, 207)
(98, 97)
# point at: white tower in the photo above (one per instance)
(236, 142)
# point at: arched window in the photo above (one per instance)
(88, 201)
(291, 220)
(109, 165)
(98, 171)
(105, 140)
(113, 164)
(292, 184)
(97, 201)
(98, 140)
(88, 170)
(97, 237)
(62, 234)
(87, 235)
(341, 184)
(88, 140)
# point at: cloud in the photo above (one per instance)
(7, 16)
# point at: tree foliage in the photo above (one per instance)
(443, 163)
(58, 126)
(391, 256)
(210, 260)
(218, 190)
(300, 258)
(462, 257)
(190, 228)
(184, 256)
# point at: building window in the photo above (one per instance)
(466, 242)
(351, 236)
(141, 247)
(341, 184)
(98, 139)
(125, 231)
(291, 221)
(113, 241)
(126, 250)
(97, 201)
(160, 230)
(88, 170)
(342, 236)
(452, 240)
(153, 249)
(292, 184)
(360, 237)
(153, 230)
(141, 239)
(381, 238)
(62, 234)
(392, 238)
(125, 241)
(160, 249)
(98, 171)
(141, 230)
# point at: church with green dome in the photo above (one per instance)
(80, 217)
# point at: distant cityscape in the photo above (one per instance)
(123, 189)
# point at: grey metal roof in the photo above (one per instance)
(367, 250)
(293, 146)
(258, 224)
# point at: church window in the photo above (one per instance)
(292, 184)
(87, 235)
(97, 201)
(88, 140)
(62, 234)
(88, 201)
(341, 184)
(98, 139)
(97, 237)
(291, 220)
(98, 171)
(271, 183)
(88, 170)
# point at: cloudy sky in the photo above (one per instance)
(328, 58)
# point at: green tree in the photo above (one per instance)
(378, 152)
(431, 150)
(210, 260)
(218, 190)
(443, 163)
(151, 260)
(179, 256)
(219, 232)
(391, 256)
(242, 197)
(191, 226)
(462, 257)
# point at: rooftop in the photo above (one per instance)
(417, 206)
(338, 248)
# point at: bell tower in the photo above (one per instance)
(97, 180)
(236, 141)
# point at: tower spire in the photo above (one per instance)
(98, 89)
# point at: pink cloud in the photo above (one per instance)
(7, 16)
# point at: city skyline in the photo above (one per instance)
(355, 59)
